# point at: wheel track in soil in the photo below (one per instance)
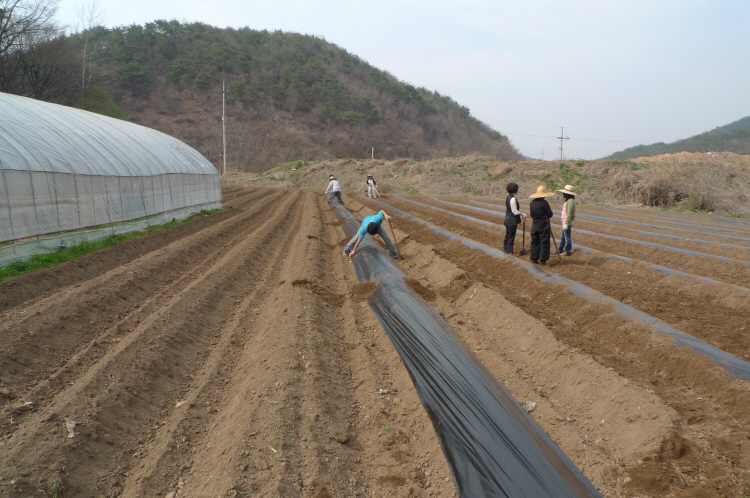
(196, 337)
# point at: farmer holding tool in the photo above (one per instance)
(513, 216)
(540, 212)
(335, 190)
(567, 218)
(371, 184)
(372, 225)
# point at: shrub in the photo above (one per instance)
(704, 189)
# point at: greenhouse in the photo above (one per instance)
(63, 170)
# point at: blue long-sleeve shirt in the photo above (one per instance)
(375, 218)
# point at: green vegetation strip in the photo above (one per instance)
(42, 261)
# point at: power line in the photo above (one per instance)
(579, 139)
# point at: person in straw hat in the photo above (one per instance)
(567, 218)
(371, 187)
(540, 212)
(335, 190)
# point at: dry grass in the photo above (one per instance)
(719, 182)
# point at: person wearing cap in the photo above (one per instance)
(335, 190)
(371, 225)
(540, 212)
(513, 216)
(371, 183)
(567, 218)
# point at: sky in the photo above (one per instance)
(604, 74)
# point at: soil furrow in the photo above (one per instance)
(700, 392)
(168, 344)
(236, 355)
(692, 309)
(733, 272)
(68, 326)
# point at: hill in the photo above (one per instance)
(289, 96)
(734, 137)
(716, 182)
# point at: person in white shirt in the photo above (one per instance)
(371, 187)
(334, 190)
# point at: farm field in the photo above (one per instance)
(236, 355)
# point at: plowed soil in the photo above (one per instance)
(236, 355)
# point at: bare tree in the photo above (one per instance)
(48, 68)
(90, 19)
(20, 19)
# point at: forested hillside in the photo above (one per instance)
(289, 96)
(734, 137)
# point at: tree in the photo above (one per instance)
(203, 80)
(97, 99)
(48, 68)
(19, 20)
(135, 76)
(238, 88)
(90, 19)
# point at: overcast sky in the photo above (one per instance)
(612, 73)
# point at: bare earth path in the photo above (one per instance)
(237, 356)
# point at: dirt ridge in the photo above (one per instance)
(239, 357)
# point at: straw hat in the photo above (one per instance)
(541, 191)
(569, 189)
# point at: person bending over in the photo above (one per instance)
(372, 225)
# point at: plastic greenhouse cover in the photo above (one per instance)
(492, 446)
(39, 136)
(25, 250)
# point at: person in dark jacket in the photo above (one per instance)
(513, 216)
(540, 211)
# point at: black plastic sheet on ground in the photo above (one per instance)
(589, 250)
(735, 367)
(607, 236)
(493, 447)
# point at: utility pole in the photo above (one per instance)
(562, 137)
(223, 127)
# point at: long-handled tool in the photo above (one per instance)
(377, 194)
(553, 241)
(523, 245)
(394, 239)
